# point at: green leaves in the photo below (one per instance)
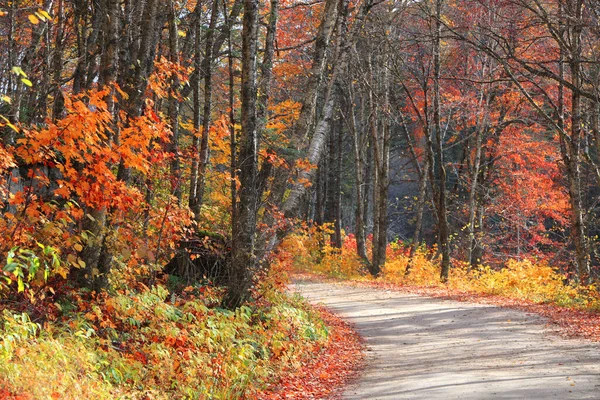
(26, 266)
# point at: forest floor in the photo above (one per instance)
(421, 347)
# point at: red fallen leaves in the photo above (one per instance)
(6, 395)
(324, 375)
(140, 356)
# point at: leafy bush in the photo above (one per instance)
(309, 249)
(155, 344)
(31, 268)
(524, 280)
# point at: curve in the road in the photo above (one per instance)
(422, 348)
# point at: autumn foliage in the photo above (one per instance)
(525, 280)
(130, 130)
(155, 343)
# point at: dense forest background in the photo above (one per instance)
(139, 134)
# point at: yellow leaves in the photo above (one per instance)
(39, 15)
(283, 116)
(19, 72)
(91, 316)
(72, 259)
(45, 15)
(9, 124)
(62, 271)
(107, 323)
(307, 250)
(3, 13)
(76, 261)
(277, 347)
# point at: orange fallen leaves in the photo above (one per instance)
(571, 322)
(328, 371)
(7, 395)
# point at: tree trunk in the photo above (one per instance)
(338, 187)
(145, 60)
(438, 165)
(334, 185)
(369, 172)
(266, 67)
(422, 199)
(219, 40)
(317, 71)
(243, 263)
(57, 60)
(472, 240)
(317, 142)
(176, 184)
(232, 135)
(320, 193)
(358, 144)
(380, 134)
(199, 175)
(374, 267)
(97, 253)
(195, 83)
(575, 154)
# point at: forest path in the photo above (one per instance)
(427, 348)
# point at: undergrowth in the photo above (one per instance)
(155, 344)
(524, 280)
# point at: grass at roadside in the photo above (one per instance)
(153, 343)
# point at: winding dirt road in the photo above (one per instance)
(422, 348)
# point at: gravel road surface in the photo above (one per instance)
(423, 348)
